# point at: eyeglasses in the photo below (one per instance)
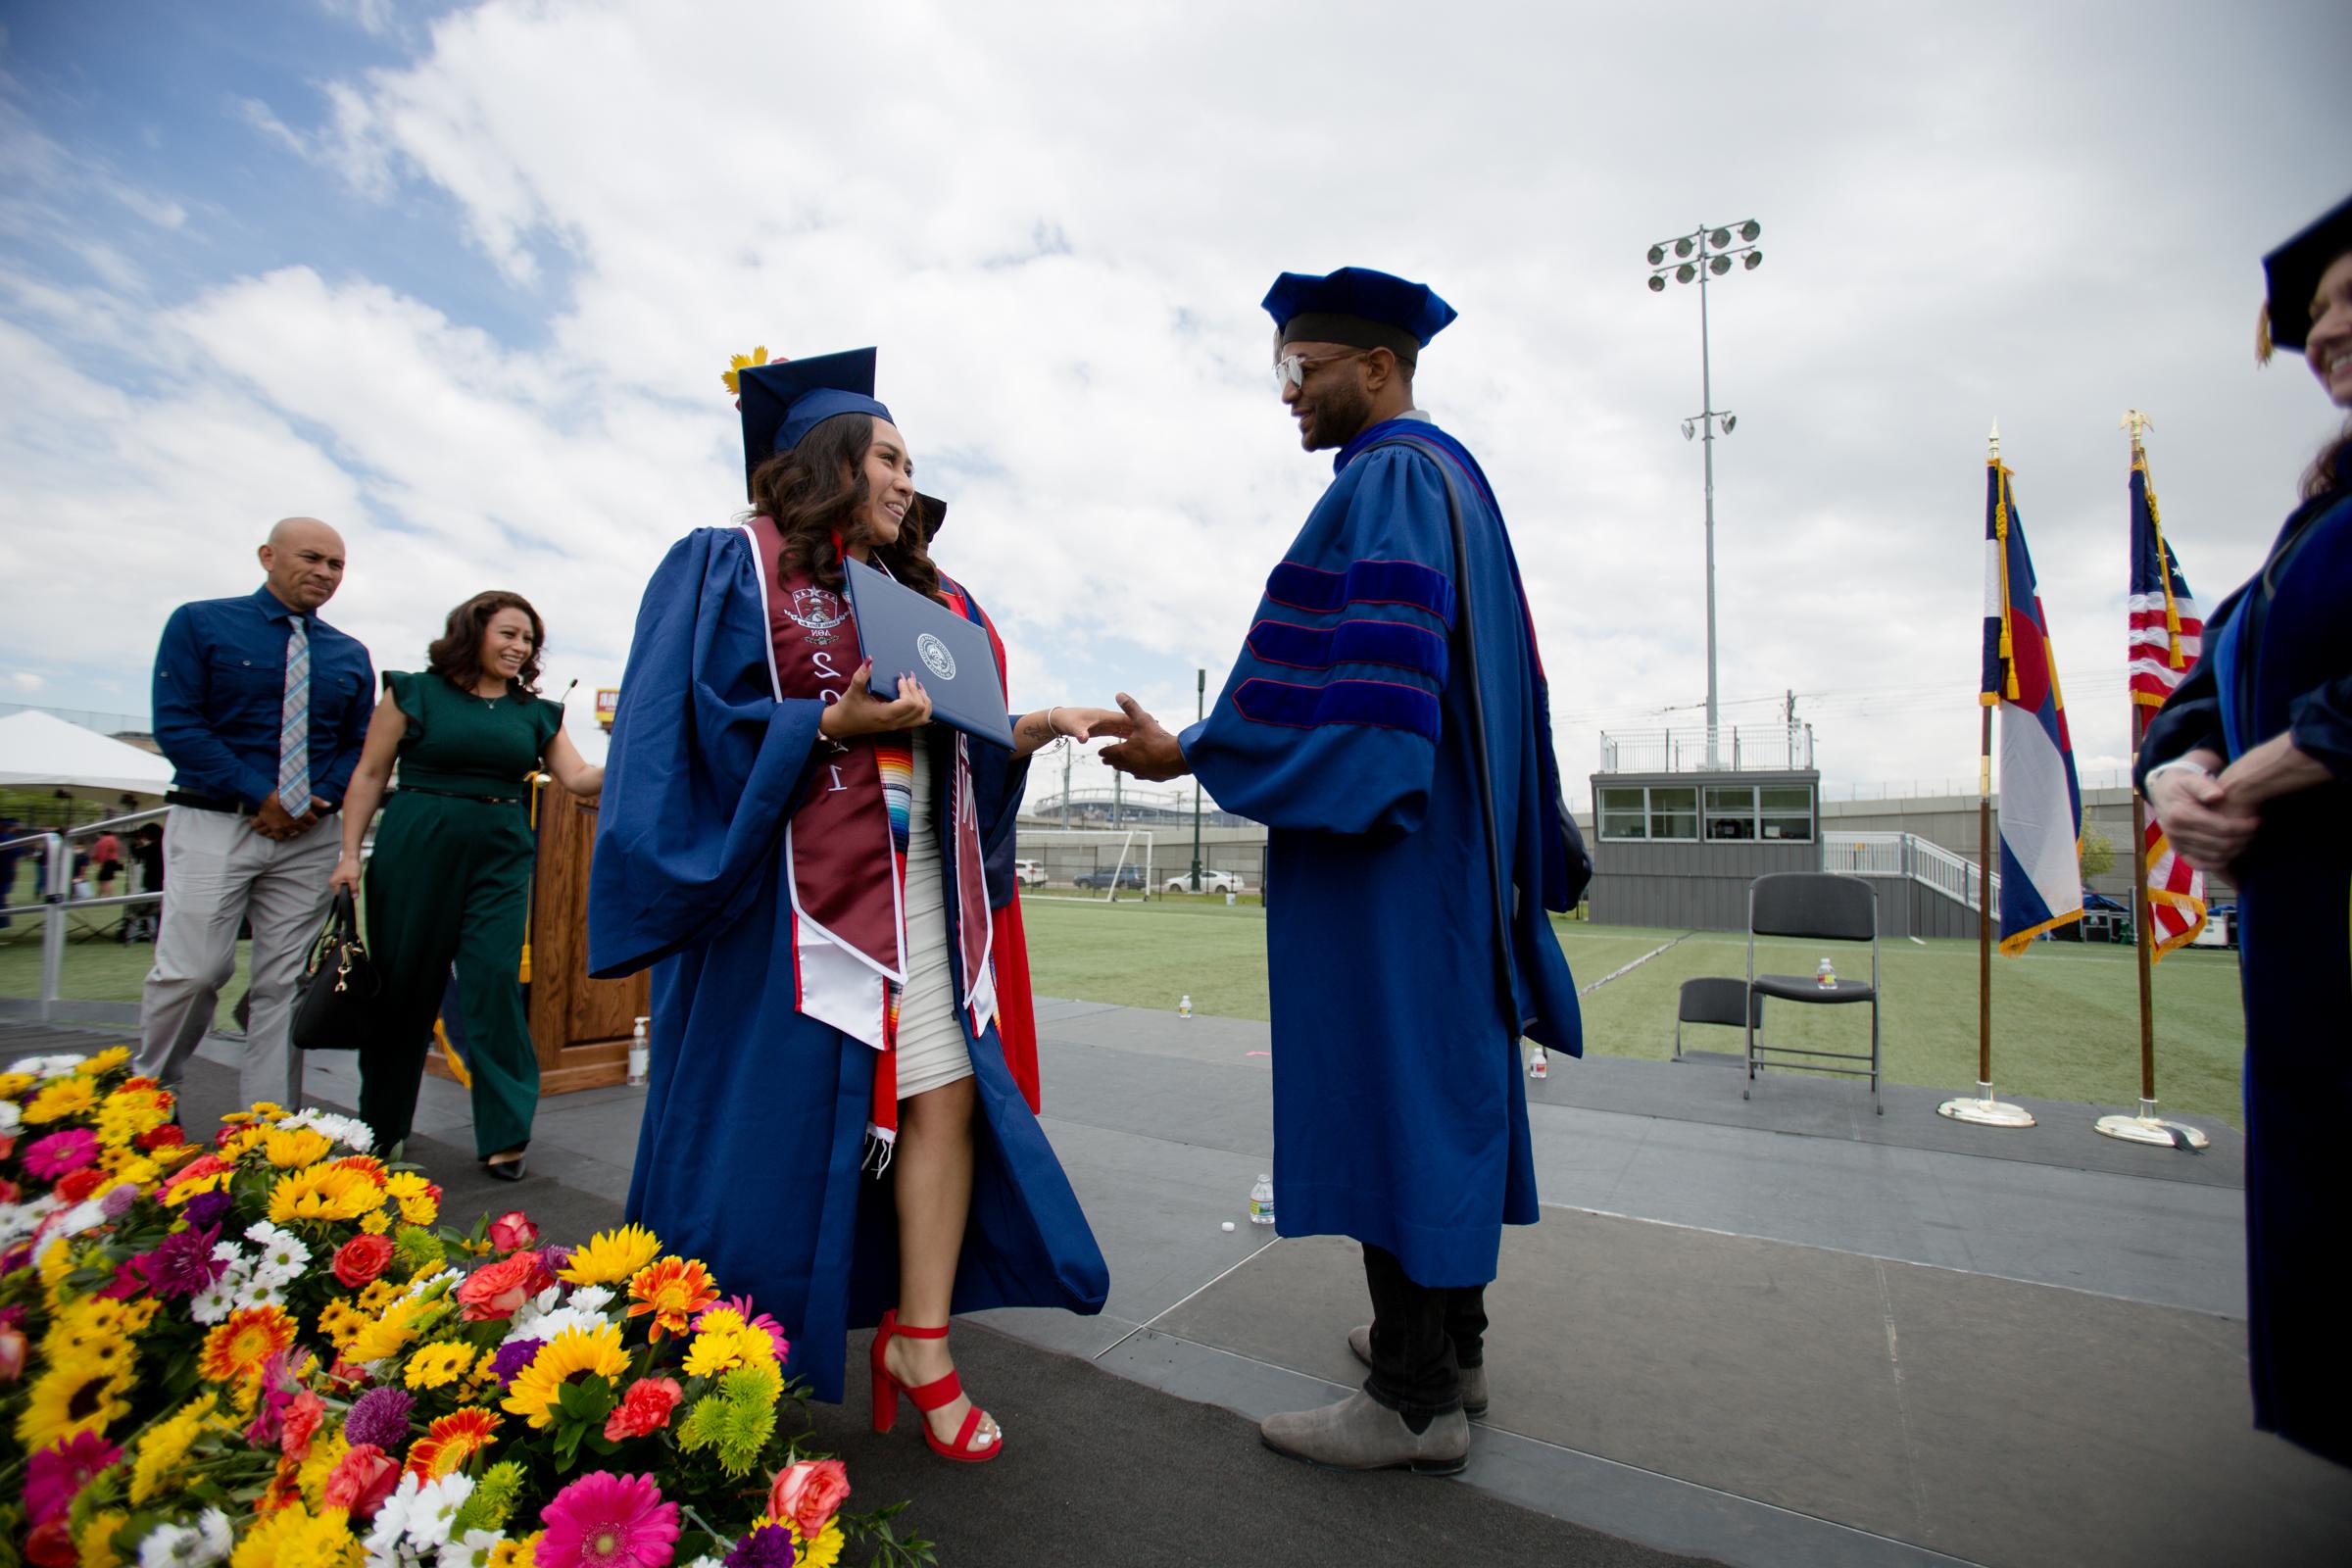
(1291, 369)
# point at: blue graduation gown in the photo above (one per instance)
(1400, 1110)
(753, 1133)
(2275, 660)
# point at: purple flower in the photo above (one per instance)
(380, 1416)
(118, 1199)
(513, 1358)
(182, 1264)
(205, 1209)
(554, 1259)
(769, 1547)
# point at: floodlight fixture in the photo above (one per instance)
(1682, 247)
(1689, 425)
(1720, 239)
(1657, 282)
(1684, 272)
(1756, 259)
(1730, 422)
(1750, 230)
(1720, 266)
(1657, 254)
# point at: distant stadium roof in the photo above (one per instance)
(43, 748)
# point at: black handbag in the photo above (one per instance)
(335, 999)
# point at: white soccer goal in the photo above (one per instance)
(1085, 863)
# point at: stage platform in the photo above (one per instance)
(1781, 1331)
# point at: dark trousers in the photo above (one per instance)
(1422, 1336)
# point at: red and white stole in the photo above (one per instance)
(844, 849)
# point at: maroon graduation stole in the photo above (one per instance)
(844, 849)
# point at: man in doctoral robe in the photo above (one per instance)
(1387, 719)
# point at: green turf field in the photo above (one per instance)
(2065, 1014)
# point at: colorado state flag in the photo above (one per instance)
(2041, 806)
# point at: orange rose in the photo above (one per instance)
(809, 1493)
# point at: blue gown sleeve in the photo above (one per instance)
(2189, 719)
(1340, 676)
(706, 763)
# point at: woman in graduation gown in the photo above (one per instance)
(2249, 769)
(836, 1121)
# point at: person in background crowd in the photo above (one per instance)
(106, 860)
(451, 876)
(8, 854)
(2248, 768)
(1389, 719)
(261, 707)
(147, 864)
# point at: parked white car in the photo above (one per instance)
(1211, 882)
(1028, 873)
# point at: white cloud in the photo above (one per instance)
(1057, 223)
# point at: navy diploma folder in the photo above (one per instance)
(900, 629)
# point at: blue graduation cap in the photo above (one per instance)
(2292, 274)
(1357, 307)
(783, 402)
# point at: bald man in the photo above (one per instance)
(261, 707)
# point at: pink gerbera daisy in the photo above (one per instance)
(61, 1153)
(608, 1521)
(58, 1472)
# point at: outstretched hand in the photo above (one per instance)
(1149, 751)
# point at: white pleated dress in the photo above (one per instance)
(931, 1047)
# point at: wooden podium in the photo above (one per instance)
(580, 1027)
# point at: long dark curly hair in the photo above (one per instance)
(819, 489)
(457, 654)
(2331, 469)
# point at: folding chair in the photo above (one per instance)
(1714, 999)
(1814, 906)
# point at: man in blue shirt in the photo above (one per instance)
(261, 707)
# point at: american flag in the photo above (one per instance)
(2167, 636)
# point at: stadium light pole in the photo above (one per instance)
(1199, 711)
(1705, 252)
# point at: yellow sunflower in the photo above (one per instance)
(340, 1321)
(572, 1354)
(237, 1346)
(384, 1336)
(717, 1347)
(242, 1141)
(377, 1294)
(437, 1365)
(107, 1060)
(166, 1444)
(96, 1539)
(296, 1537)
(611, 1257)
(737, 363)
(67, 1097)
(128, 1112)
(420, 1204)
(296, 1146)
(81, 1394)
(450, 1441)
(14, 1084)
(515, 1553)
(321, 1192)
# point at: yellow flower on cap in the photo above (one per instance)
(732, 375)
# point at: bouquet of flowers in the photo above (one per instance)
(270, 1351)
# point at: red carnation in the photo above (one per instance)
(497, 1291)
(165, 1137)
(304, 1412)
(81, 1184)
(362, 1258)
(644, 1409)
(362, 1480)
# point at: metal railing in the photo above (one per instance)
(60, 900)
(1907, 855)
(1750, 748)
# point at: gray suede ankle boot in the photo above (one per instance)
(1359, 1432)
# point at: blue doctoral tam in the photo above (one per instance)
(1359, 308)
(783, 402)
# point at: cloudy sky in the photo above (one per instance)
(462, 279)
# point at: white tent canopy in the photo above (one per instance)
(42, 749)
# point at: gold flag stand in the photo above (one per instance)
(2146, 1127)
(1984, 1110)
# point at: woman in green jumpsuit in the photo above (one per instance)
(450, 880)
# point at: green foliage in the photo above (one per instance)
(2097, 852)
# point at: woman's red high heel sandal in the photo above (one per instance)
(927, 1397)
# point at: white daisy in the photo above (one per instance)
(472, 1550)
(56, 1066)
(435, 1509)
(590, 1299)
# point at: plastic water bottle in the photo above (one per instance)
(1184, 1005)
(1261, 1202)
(1538, 1064)
(640, 1056)
(1824, 976)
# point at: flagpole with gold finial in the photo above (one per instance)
(1982, 1108)
(2146, 1127)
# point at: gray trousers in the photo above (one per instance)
(218, 872)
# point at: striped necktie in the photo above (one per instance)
(294, 724)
